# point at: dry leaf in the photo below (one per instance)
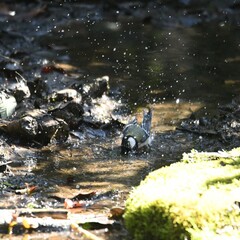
(29, 223)
(84, 196)
(68, 204)
(28, 190)
(66, 67)
(116, 212)
(58, 67)
(12, 223)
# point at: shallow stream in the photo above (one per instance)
(177, 72)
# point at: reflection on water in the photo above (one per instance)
(175, 71)
(156, 65)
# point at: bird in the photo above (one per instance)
(137, 136)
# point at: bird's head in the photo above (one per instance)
(128, 144)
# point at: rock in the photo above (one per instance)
(39, 88)
(71, 112)
(51, 130)
(7, 105)
(36, 126)
(67, 105)
(67, 94)
(21, 91)
(97, 88)
(192, 199)
(25, 127)
(225, 125)
(26, 105)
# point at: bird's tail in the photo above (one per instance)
(147, 120)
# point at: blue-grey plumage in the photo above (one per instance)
(147, 121)
(137, 136)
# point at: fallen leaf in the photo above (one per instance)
(26, 223)
(12, 223)
(58, 67)
(68, 204)
(29, 224)
(66, 67)
(50, 68)
(116, 212)
(84, 196)
(28, 190)
(80, 196)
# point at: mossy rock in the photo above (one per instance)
(197, 198)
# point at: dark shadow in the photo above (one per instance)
(225, 181)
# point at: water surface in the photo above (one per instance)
(177, 72)
(152, 65)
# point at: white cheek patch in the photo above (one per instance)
(132, 142)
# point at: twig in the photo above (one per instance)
(8, 58)
(24, 80)
(10, 218)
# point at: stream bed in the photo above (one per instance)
(177, 72)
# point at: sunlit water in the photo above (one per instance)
(156, 65)
(175, 71)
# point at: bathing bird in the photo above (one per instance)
(137, 136)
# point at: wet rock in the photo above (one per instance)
(7, 105)
(36, 126)
(71, 112)
(86, 131)
(66, 104)
(11, 79)
(21, 91)
(26, 127)
(12, 66)
(97, 88)
(24, 106)
(67, 94)
(52, 130)
(10, 73)
(39, 88)
(225, 125)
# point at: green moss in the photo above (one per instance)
(192, 199)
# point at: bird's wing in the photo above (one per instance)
(130, 123)
(136, 131)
